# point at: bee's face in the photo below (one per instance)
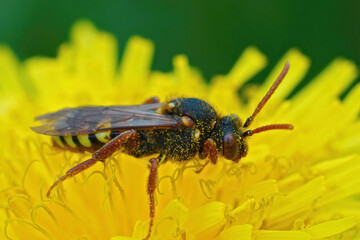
(227, 136)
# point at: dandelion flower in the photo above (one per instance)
(301, 184)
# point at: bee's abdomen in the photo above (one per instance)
(86, 142)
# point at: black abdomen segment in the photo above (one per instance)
(87, 142)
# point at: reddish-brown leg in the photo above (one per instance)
(100, 155)
(150, 190)
(152, 100)
(209, 150)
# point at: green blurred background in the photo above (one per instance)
(212, 33)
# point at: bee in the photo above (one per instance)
(176, 130)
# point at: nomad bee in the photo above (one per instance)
(177, 130)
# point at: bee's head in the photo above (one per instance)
(228, 138)
(230, 135)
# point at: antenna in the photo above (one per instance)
(267, 128)
(267, 97)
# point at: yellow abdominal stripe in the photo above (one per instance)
(103, 137)
(84, 140)
(69, 141)
(58, 141)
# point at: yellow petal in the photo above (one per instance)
(240, 232)
(331, 228)
(295, 203)
(207, 219)
(171, 219)
(281, 235)
(250, 63)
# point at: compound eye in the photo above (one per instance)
(230, 146)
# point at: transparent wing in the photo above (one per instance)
(92, 119)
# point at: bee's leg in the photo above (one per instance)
(209, 150)
(100, 155)
(150, 190)
(152, 100)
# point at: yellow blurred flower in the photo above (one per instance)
(292, 185)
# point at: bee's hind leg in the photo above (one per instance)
(100, 155)
(154, 163)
